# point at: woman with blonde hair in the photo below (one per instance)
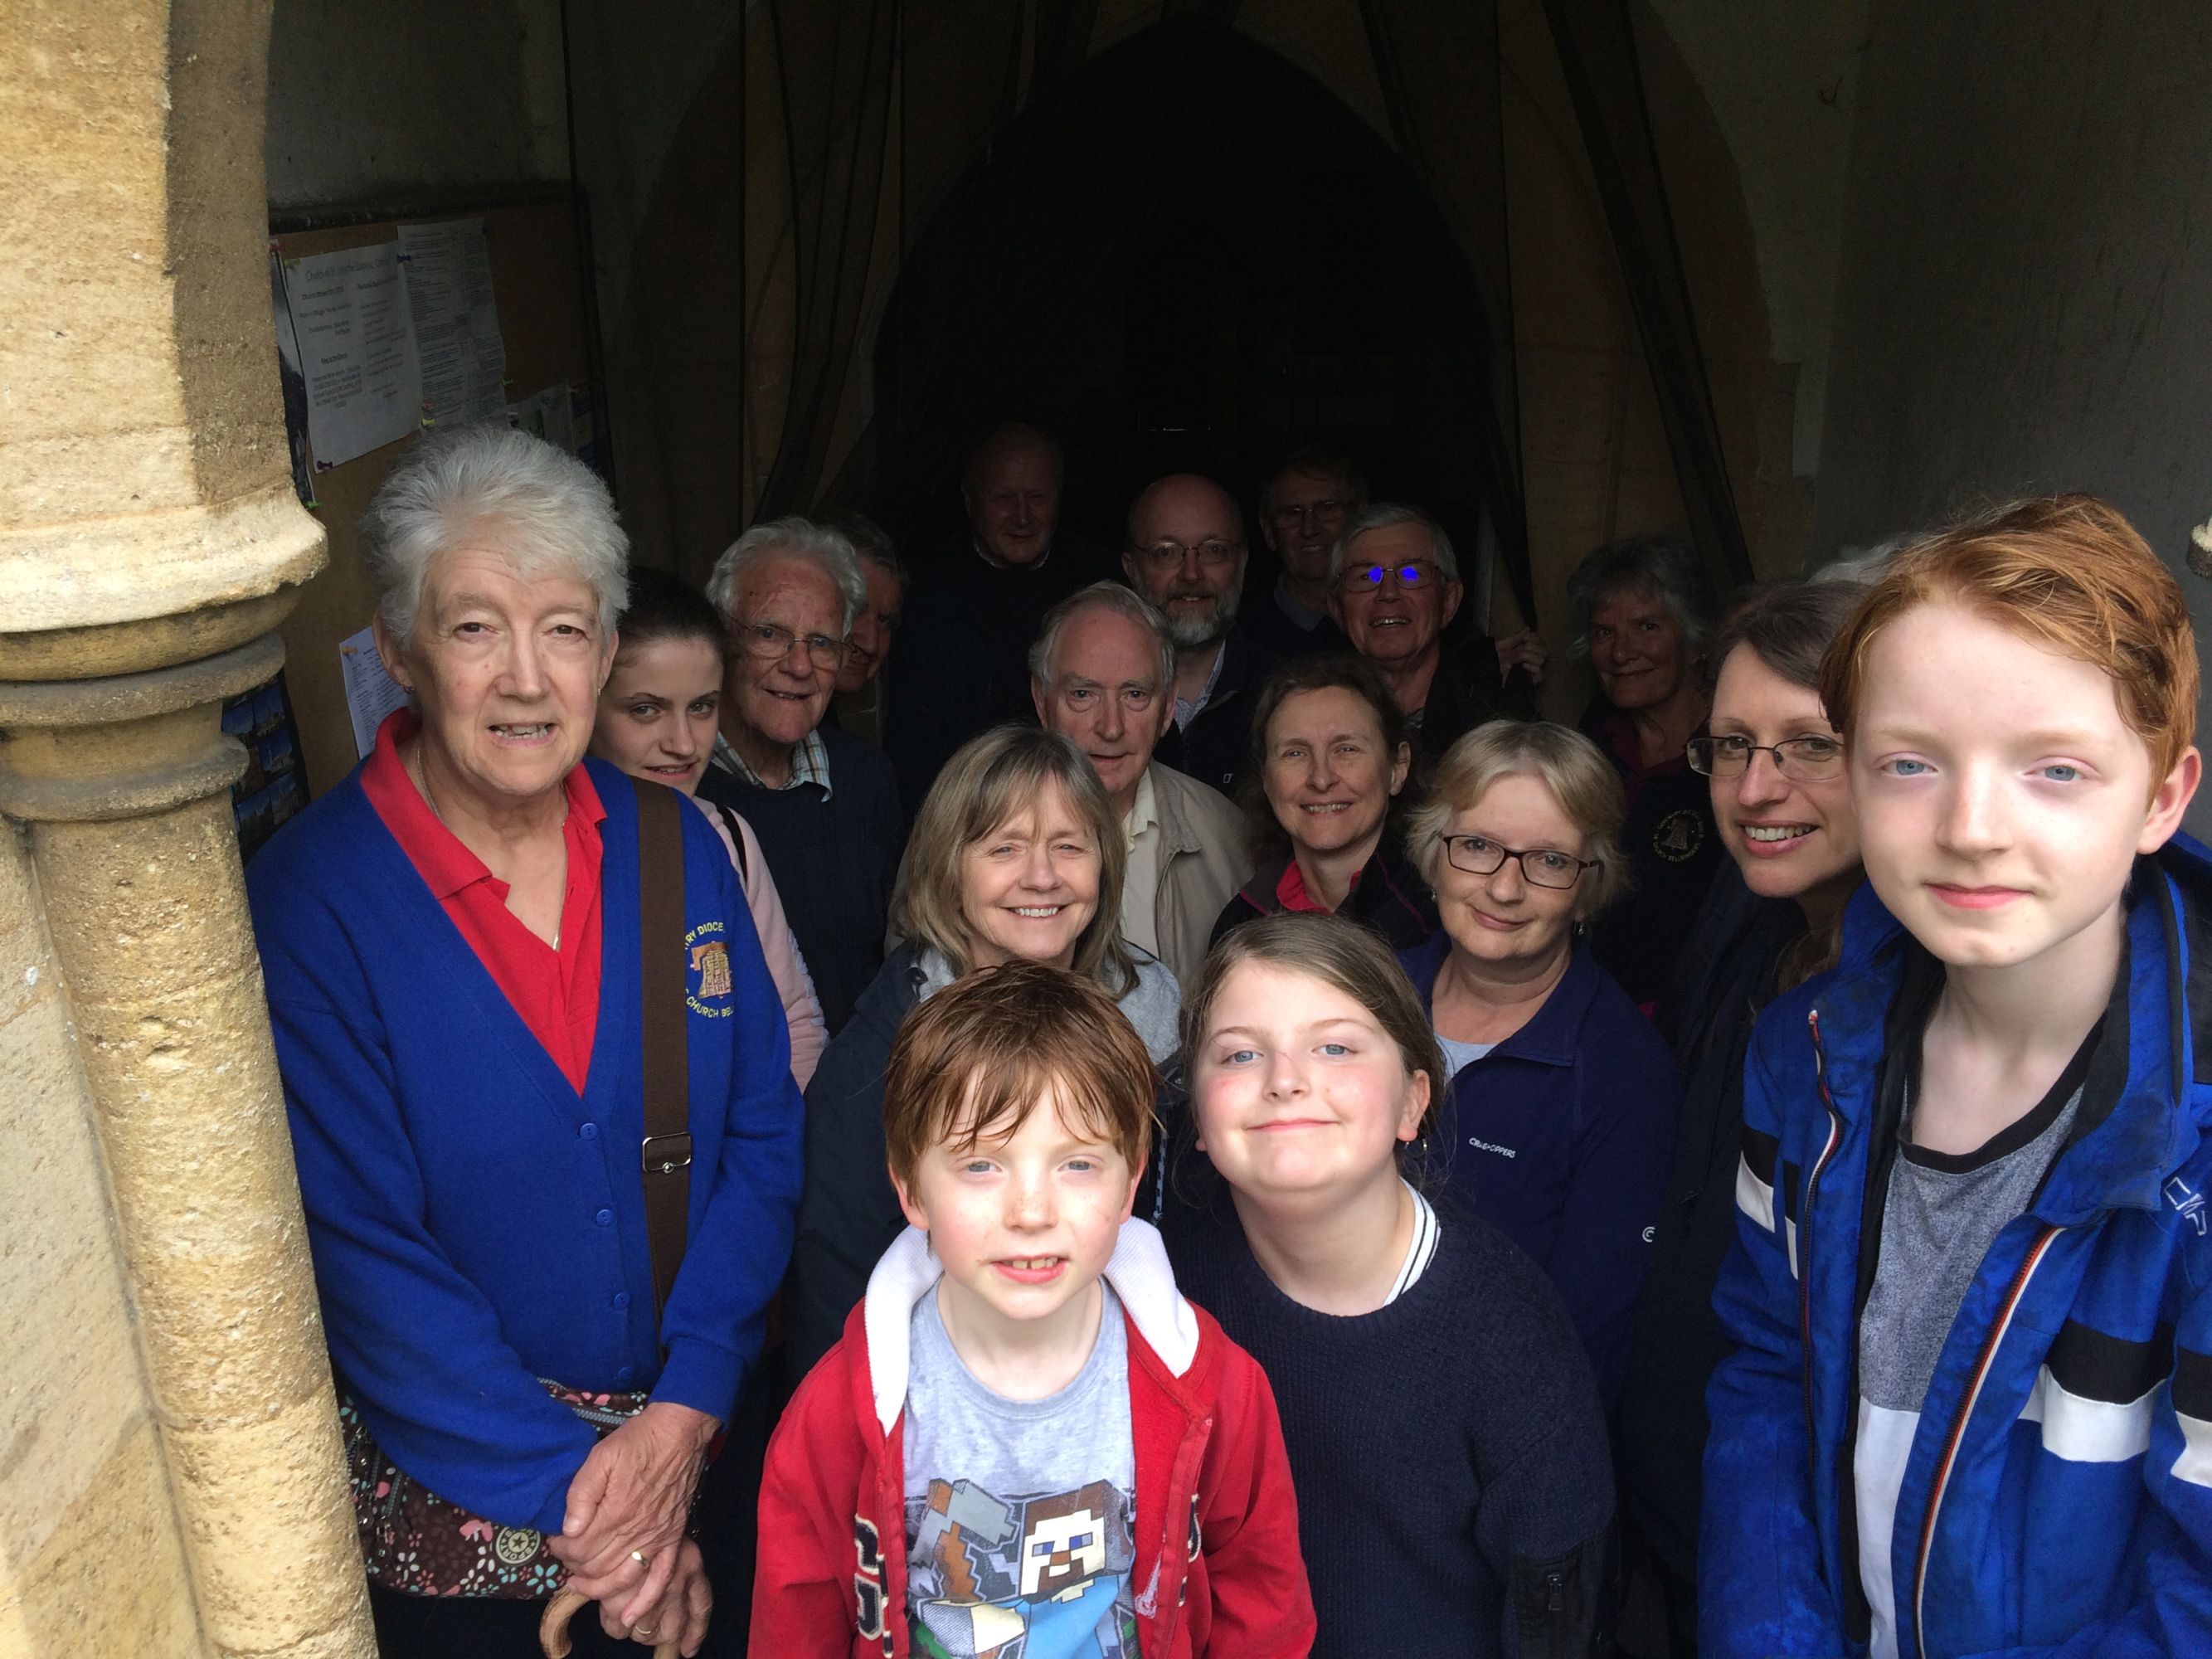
(1016, 853)
(1559, 1114)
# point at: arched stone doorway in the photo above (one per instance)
(1193, 255)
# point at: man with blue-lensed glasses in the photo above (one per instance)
(1394, 585)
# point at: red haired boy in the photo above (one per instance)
(1972, 1409)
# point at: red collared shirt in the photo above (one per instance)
(556, 992)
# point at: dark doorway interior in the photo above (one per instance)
(1192, 256)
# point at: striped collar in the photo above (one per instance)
(810, 763)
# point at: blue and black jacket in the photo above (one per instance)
(2057, 1499)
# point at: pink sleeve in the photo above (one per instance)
(802, 1009)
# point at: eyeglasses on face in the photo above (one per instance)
(1213, 553)
(1417, 575)
(766, 642)
(1540, 867)
(1307, 511)
(1804, 760)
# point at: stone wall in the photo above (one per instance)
(2024, 284)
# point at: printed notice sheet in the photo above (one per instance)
(449, 267)
(357, 351)
(370, 693)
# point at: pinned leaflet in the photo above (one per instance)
(449, 267)
(370, 693)
(357, 351)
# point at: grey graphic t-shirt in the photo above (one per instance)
(1019, 1511)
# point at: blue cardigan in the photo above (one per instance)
(474, 1222)
(1561, 1138)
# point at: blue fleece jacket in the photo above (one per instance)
(2058, 1499)
(474, 1222)
(1561, 1138)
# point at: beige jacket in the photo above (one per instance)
(1202, 864)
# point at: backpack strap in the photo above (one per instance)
(665, 1156)
(737, 839)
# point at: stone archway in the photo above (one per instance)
(170, 1478)
(1195, 255)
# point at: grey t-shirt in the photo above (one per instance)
(1019, 1512)
(1460, 1055)
(1941, 1214)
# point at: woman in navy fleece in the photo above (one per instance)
(1559, 1117)
(452, 944)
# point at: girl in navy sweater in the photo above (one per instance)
(1454, 1491)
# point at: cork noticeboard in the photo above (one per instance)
(538, 286)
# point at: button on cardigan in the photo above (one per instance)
(455, 1181)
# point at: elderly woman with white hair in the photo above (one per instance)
(1558, 1116)
(539, 1084)
(1641, 610)
(824, 802)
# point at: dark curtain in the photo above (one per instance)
(1596, 41)
(1438, 65)
(835, 86)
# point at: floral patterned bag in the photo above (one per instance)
(413, 1541)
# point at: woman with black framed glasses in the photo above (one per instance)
(1782, 799)
(1559, 1116)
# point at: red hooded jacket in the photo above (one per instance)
(1216, 1568)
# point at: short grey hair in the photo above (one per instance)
(1381, 516)
(792, 537)
(1102, 596)
(871, 541)
(545, 511)
(1661, 565)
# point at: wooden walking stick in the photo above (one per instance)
(553, 1628)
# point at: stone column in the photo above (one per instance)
(149, 543)
(124, 780)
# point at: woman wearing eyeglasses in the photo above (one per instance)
(1559, 1115)
(1781, 795)
(1330, 759)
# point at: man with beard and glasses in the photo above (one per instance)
(1185, 554)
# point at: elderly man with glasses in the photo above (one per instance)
(823, 803)
(1394, 585)
(1185, 554)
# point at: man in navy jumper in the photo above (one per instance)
(823, 802)
(1185, 554)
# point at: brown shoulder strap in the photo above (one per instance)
(665, 1155)
(737, 839)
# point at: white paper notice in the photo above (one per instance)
(545, 416)
(448, 267)
(357, 351)
(370, 693)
